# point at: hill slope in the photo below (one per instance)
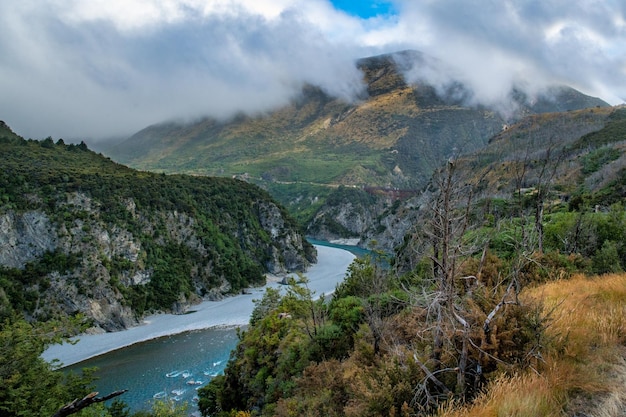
(394, 137)
(82, 234)
(578, 157)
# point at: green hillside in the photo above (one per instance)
(81, 230)
(581, 151)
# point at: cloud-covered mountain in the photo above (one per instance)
(394, 135)
(76, 69)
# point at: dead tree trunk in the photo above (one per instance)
(77, 405)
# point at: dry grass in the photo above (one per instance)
(584, 371)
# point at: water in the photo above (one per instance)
(143, 368)
(355, 250)
(163, 366)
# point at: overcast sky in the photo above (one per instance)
(100, 68)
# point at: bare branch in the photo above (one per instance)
(91, 398)
(492, 314)
(431, 376)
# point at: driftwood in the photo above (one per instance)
(77, 405)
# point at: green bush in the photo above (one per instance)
(606, 259)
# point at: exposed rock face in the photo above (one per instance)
(25, 237)
(110, 257)
(348, 219)
(355, 218)
(98, 301)
(285, 255)
(380, 223)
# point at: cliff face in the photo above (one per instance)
(112, 259)
(25, 237)
(376, 222)
(114, 246)
(286, 254)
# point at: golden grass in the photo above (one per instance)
(584, 368)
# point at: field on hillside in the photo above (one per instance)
(582, 369)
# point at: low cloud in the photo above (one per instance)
(93, 69)
(76, 72)
(493, 47)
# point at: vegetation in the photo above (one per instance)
(549, 351)
(582, 369)
(457, 326)
(394, 137)
(489, 308)
(31, 387)
(28, 385)
(221, 239)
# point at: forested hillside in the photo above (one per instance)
(574, 158)
(82, 234)
(506, 296)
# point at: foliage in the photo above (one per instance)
(352, 356)
(20, 289)
(584, 372)
(285, 336)
(301, 199)
(453, 326)
(164, 409)
(594, 160)
(29, 386)
(224, 215)
(596, 236)
(371, 349)
(606, 259)
(32, 387)
(611, 133)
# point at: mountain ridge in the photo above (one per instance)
(393, 138)
(398, 125)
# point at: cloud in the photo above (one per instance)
(494, 45)
(98, 68)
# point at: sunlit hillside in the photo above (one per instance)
(582, 371)
(394, 136)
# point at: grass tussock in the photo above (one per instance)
(583, 368)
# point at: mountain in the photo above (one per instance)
(392, 138)
(577, 158)
(82, 234)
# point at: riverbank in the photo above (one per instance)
(330, 269)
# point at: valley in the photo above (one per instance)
(466, 215)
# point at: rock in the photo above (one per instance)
(111, 257)
(25, 237)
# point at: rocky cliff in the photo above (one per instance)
(115, 244)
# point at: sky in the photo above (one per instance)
(97, 69)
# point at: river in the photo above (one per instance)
(170, 356)
(170, 367)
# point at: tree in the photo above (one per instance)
(372, 285)
(534, 176)
(29, 385)
(606, 259)
(449, 222)
(463, 302)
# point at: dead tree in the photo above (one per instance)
(448, 223)
(459, 328)
(535, 175)
(91, 398)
